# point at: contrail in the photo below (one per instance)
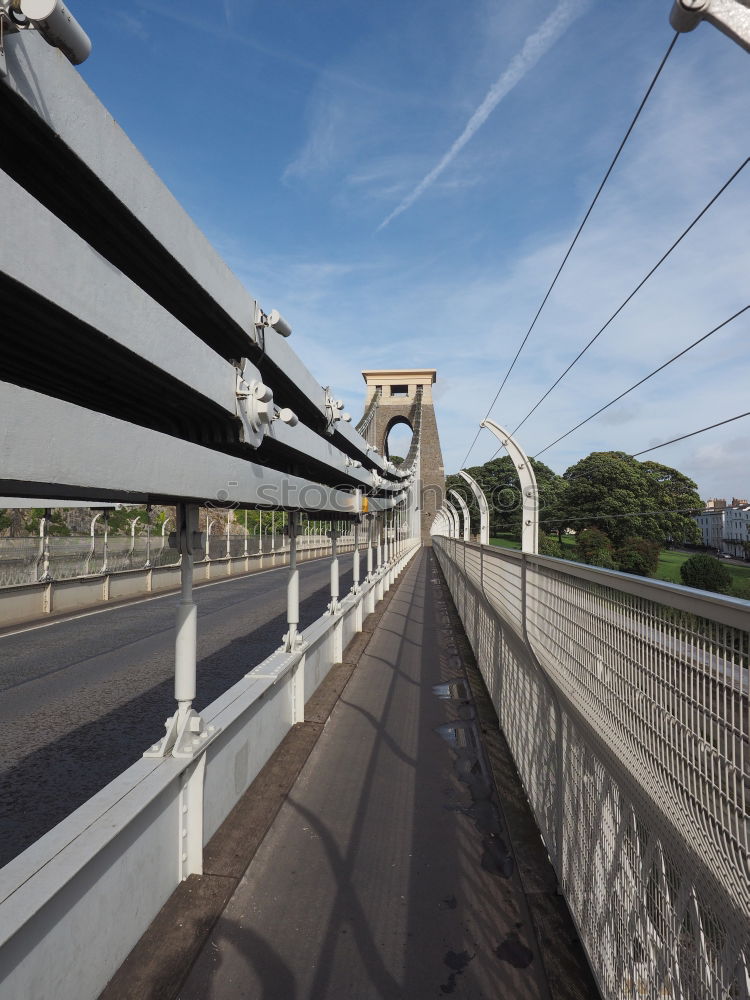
(535, 46)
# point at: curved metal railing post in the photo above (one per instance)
(484, 510)
(453, 515)
(464, 514)
(529, 491)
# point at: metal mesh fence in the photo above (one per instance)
(625, 704)
(22, 559)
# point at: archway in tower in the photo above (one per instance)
(398, 438)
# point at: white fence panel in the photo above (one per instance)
(625, 704)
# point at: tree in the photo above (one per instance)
(639, 556)
(618, 494)
(397, 459)
(56, 526)
(673, 491)
(706, 573)
(595, 548)
(499, 481)
(550, 546)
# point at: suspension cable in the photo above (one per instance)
(682, 437)
(637, 288)
(589, 210)
(644, 379)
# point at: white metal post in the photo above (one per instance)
(529, 491)
(464, 514)
(45, 576)
(131, 553)
(105, 518)
(147, 564)
(453, 515)
(484, 511)
(291, 639)
(186, 637)
(185, 734)
(368, 523)
(334, 605)
(355, 560)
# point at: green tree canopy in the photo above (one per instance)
(639, 556)
(594, 547)
(706, 573)
(33, 518)
(499, 481)
(607, 485)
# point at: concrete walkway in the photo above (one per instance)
(388, 871)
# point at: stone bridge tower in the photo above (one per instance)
(405, 397)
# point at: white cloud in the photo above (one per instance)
(535, 46)
(132, 25)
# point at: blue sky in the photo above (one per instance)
(401, 181)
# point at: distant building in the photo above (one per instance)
(724, 527)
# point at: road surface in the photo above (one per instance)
(83, 698)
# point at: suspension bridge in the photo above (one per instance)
(451, 769)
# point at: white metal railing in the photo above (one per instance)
(625, 703)
(92, 885)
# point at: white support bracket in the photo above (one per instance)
(529, 489)
(185, 737)
(335, 412)
(256, 408)
(731, 17)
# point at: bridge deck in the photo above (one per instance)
(388, 871)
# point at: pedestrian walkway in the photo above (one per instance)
(388, 871)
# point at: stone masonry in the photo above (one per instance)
(399, 404)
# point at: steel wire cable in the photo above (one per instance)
(589, 210)
(683, 437)
(609, 517)
(637, 288)
(644, 379)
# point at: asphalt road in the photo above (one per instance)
(83, 698)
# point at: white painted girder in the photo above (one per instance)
(80, 281)
(51, 442)
(55, 92)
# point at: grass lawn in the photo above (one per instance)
(505, 542)
(669, 561)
